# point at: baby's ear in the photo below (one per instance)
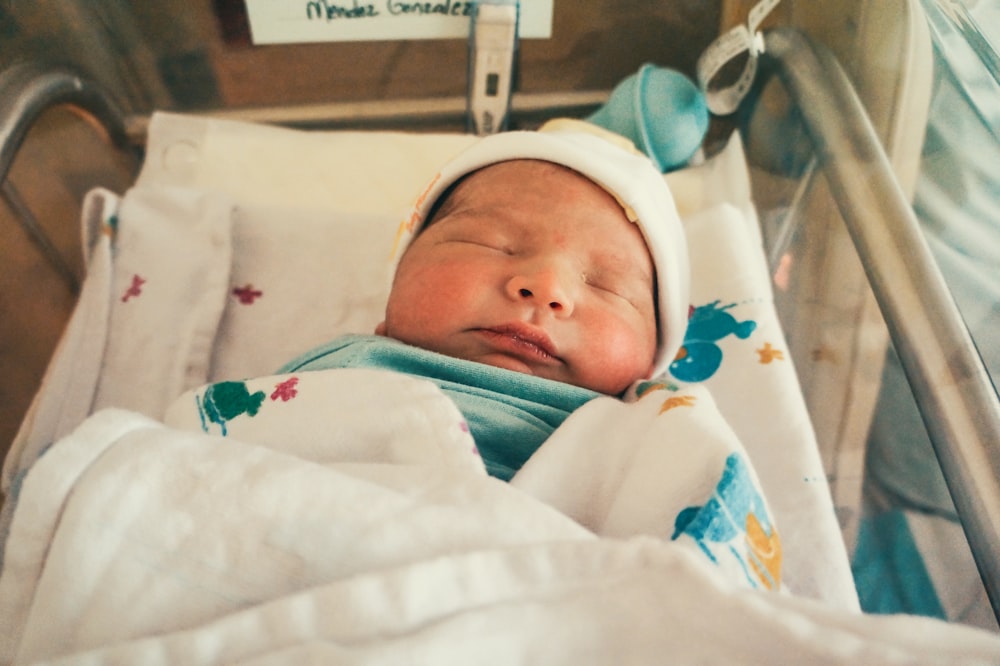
(380, 328)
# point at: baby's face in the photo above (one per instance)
(530, 266)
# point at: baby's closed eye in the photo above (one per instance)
(480, 238)
(496, 245)
(612, 285)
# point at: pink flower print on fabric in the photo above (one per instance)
(135, 289)
(247, 294)
(285, 390)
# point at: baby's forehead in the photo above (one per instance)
(527, 169)
(508, 181)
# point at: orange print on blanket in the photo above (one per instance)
(677, 401)
(769, 353)
(766, 549)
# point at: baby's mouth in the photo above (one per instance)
(523, 341)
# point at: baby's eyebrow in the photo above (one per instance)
(465, 210)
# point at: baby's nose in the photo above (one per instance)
(545, 286)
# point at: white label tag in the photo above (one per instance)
(304, 21)
(730, 45)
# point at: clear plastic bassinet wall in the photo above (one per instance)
(199, 57)
(928, 74)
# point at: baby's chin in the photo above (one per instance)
(521, 366)
(509, 363)
(516, 365)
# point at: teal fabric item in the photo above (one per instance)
(510, 414)
(661, 111)
(889, 572)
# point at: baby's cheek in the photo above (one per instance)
(617, 352)
(643, 345)
(429, 279)
(446, 287)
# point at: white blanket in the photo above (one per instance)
(287, 541)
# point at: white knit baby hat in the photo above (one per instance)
(609, 161)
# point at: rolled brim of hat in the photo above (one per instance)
(629, 176)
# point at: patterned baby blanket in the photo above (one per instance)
(345, 516)
(666, 465)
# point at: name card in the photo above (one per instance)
(303, 21)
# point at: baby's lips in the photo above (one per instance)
(523, 342)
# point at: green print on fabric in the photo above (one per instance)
(225, 401)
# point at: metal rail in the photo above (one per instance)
(526, 109)
(28, 90)
(957, 399)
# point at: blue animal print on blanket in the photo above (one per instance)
(734, 522)
(700, 356)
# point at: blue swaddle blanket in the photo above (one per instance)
(510, 414)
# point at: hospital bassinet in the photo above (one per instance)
(346, 188)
